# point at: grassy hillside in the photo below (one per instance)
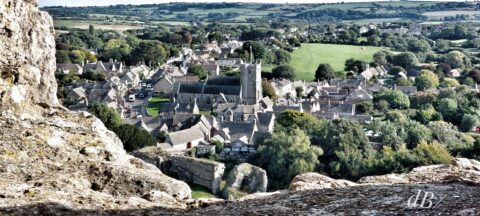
(306, 59)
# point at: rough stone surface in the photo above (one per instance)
(461, 170)
(315, 181)
(199, 171)
(155, 156)
(247, 178)
(27, 62)
(55, 162)
(458, 199)
(49, 154)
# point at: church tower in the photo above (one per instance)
(251, 82)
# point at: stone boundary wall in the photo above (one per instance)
(199, 171)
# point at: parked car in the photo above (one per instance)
(149, 87)
(131, 98)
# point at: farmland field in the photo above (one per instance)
(442, 14)
(306, 59)
(120, 27)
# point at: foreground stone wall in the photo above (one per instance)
(199, 171)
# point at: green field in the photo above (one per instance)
(306, 59)
(84, 24)
(155, 104)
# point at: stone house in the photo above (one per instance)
(370, 72)
(163, 87)
(76, 94)
(232, 62)
(283, 88)
(185, 139)
(110, 68)
(67, 68)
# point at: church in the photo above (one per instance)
(246, 89)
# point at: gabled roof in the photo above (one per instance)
(193, 88)
(184, 136)
(77, 93)
(239, 129)
(224, 81)
(264, 120)
(226, 90)
(266, 101)
(360, 94)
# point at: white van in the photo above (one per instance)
(131, 98)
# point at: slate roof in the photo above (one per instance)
(266, 101)
(180, 107)
(283, 108)
(239, 129)
(193, 88)
(217, 89)
(224, 81)
(69, 67)
(180, 119)
(264, 120)
(77, 93)
(184, 136)
(338, 108)
(360, 94)
(373, 71)
(407, 89)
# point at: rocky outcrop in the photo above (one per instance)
(315, 181)
(56, 162)
(155, 156)
(51, 155)
(247, 178)
(461, 170)
(199, 171)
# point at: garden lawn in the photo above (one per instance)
(155, 104)
(305, 60)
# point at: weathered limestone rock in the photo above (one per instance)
(315, 181)
(247, 178)
(56, 162)
(49, 154)
(199, 171)
(27, 62)
(155, 156)
(461, 170)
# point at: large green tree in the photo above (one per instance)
(324, 72)
(287, 154)
(151, 53)
(134, 138)
(395, 99)
(268, 91)
(117, 49)
(198, 70)
(456, 59)
(346, 149)
(259, 51)
(405, 59)
(426, 80)
(107, 115)
(283, 72)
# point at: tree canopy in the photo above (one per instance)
(283, 72)
(324, 72)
